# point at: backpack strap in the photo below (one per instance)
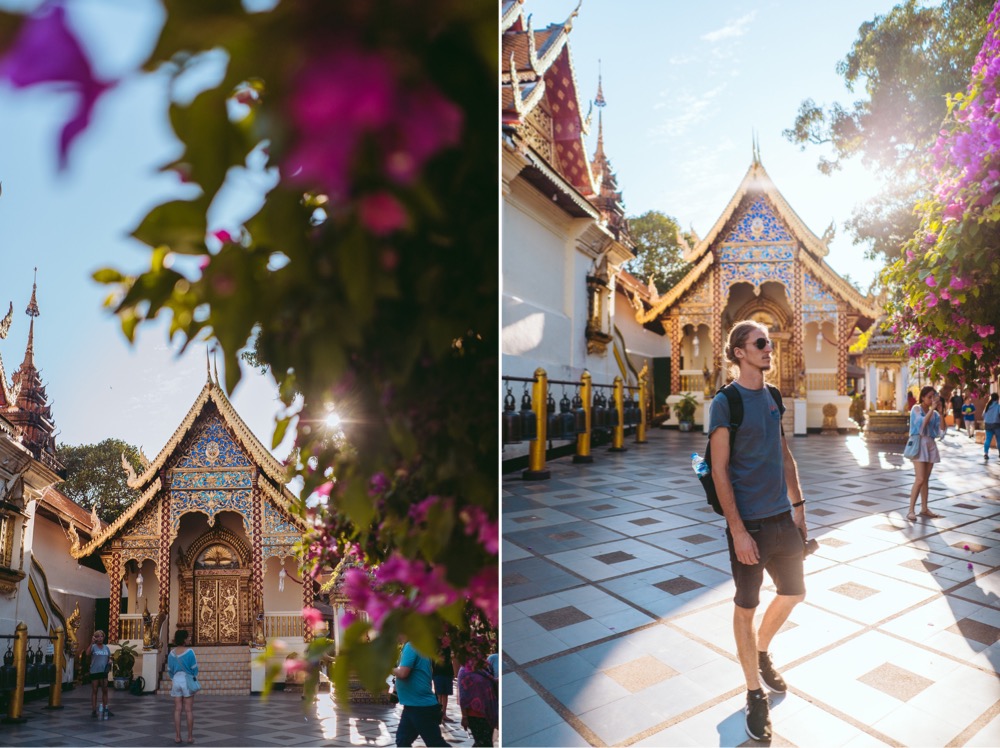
(735, 412)
(776, 395)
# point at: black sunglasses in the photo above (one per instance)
(761, 343)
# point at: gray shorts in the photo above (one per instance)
(781, 551)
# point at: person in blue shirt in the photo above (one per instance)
(421, 710)
(925, 422)
(991, 420)
(182, 665)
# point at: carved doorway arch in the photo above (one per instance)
(777, 320)
(215, 589)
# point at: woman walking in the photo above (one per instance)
(100, 666)
(925, 422)
(183, 668)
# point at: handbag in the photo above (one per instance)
(193, 685)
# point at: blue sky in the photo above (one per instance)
(70, 224)
(687, 83)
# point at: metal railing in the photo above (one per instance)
(19, 673)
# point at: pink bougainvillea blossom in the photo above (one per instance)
(477, 522)
(381, 213)
(312, 617)
(47, 51)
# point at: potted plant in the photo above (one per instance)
(122, 662)
(684, 410)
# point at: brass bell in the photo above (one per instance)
(529, 419)
(579, 415)
(511, 420)
(568, 418)
(599, 412)
(555, 429)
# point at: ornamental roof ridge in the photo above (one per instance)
(864, 304)
(674, 294)
(115, 527)
(510, 13)
(213, 391)
(283, 499)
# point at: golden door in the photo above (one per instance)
(218, 617)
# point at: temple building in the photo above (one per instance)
(41, 585)
(761, 262)
(207, 545)
(565, 236)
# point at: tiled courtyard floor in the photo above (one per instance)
(236, 721)
(617, 617)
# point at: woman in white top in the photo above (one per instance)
(183, 668)
(925, 422)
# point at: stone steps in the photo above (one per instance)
(222, 671)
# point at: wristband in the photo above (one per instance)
(797, 504)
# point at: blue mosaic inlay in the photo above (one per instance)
(759, 224)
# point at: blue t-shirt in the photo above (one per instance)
(917, 419)
(186, 662)
(757, 465)
(415, 690)
(100, 662)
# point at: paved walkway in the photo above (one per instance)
(617, 617)
(219, 721)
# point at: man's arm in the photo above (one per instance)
(402, 672)
(793, 485)
(744, 545)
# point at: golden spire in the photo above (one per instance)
(600, 103)
(32, 311)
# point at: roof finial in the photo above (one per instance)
(215, 363)
(32, 310)
(208, 362)
(599, 101)
(756, 147)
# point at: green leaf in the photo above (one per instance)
(179, 224)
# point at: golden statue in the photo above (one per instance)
(802, 383)
(708, 381)
(72, 624)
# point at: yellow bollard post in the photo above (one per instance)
(583, 440)
(536, 451)
(15, 709)
(618, 434)
(640, 429)
(58, 659)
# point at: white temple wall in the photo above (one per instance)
(826, 357)
(291, 597)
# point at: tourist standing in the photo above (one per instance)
(969, 414)
(100, 666)
(421, 710)
(761, 497)
(183, 668)
(956, 409)
(925, 422)
(991, 418)
(444, 679)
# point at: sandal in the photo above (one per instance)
(930, 515)
(911, 517)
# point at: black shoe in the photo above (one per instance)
(758, 722)
(772, 679)
(93, 713)
(109, 712)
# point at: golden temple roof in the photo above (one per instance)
(758, 182)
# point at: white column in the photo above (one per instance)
(871, 386)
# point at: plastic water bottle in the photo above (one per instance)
(100, 711)
(699, 466)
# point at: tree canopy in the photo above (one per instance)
(95, 476)
(658, 250)
(945, 290)
(903, 65)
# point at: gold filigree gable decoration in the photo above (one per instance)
(218, 537)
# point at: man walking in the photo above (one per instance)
(761, 497)
(421, 710)
(956, 409)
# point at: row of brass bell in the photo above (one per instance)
(518, 426)
(632, 412)
(602, 416)
(569, 421)
(8, 673)
(40, 668)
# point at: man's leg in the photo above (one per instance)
(406, 731)
(774, 618)
(746, 644)
(429, 726)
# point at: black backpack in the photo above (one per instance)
(735, 421)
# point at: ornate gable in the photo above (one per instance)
(212, 447)
(759, 248)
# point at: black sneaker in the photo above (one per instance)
(758, 722)
(772, 679)
(93, 713)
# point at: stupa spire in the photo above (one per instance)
(32, 311)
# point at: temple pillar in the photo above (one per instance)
(256, 559)
(113, 563)
(163, 567)
(871, 387)
(843, 334)
(676, 337)
(307, 601)
(798, 325)
(718, 357)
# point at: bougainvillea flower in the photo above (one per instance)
(381, 213)
(312, 617)
(46, 51)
